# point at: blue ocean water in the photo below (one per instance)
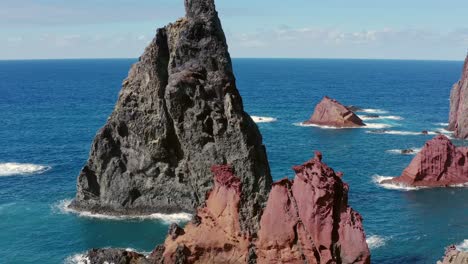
(51, 110)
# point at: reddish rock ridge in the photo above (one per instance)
(454, 256)
(458, 120)
(306, 220)
(330, 112)
(440, 163)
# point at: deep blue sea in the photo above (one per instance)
(51, 110)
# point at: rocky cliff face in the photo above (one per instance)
(454, 256)
(330, 112)
(458, 120)
(178, 113)
(439, 163)
(307, 220)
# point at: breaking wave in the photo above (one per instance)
(399, 151)
(77, 259)
(263, 119)
(372, 111)
(368, 126)
(463, 246)
(375, 241)
(391, 117)
(377, 179)
(441, 124)
(62, 207)
(12, 168)
(403, 133)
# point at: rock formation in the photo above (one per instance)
(454, 256)
(178, 113)
(458, 120)
(330, 112)
(306, 220)
(439, 163)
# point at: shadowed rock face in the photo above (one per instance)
(178, 113)
(330, 112)
(439, 163)
(307, 220)
(453, 256)
(458, 120)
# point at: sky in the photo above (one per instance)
(368, 29)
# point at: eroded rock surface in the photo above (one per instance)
(306, 220)
(440, 163)
(458, 120)
(330, 112)
(178, 113)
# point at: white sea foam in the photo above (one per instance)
(441, 124)
(390, 117)
(372, 111)
(463, 246)
(263, 119)
(368, 126)
(375, 241)
(377, 179)
(62, 207)
(403, 133)
(444, 131)
(399, 151)
(12, 168)
(77, 259)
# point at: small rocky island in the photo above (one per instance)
(306, 220)
(178, 113)
(439, 164)
(330, 112)
(458, 120)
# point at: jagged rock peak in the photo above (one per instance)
(200, 9)
(307, 220)
(179, 112)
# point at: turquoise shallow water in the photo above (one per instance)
(51, 111)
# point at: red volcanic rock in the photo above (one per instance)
(439, 163)
(458, 120)
(216, 237)
(306, 220)
(330, 112)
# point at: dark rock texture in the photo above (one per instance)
(458, 120)
(307, 220)
(440, 163)
(178, 113)
(117, 256)
(330, 112)
(454, 256)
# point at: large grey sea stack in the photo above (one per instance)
(178, 113)
(459, 105)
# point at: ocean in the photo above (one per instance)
(51, 109)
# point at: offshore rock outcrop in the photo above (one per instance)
(306, 220)
(440, 163)
(178, 113)
(458, 120)
(330, 112)
(454, 256)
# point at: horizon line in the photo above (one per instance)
(256, 58)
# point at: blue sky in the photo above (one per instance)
(397, 29)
